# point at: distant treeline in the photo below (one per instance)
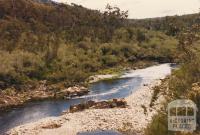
(170, 25)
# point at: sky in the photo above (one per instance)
(144, 8)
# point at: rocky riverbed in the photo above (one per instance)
(136, 116)
(133, 119)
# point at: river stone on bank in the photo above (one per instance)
(99, 119)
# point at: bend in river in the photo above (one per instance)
(102, 90)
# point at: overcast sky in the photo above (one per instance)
(144, 8)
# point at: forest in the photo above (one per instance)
(68, 43)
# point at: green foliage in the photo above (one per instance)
(54, 60)
(158, 126)
(183, 79)
(125, 35)
(68, 43)
(18, 66)
(170, 25)
(141, 36)
(156, 91)
(184, 83)
(181, 85)
(110, 60)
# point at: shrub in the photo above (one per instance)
(19, 66)
(110, 60)
(84, 45)
(158, 126)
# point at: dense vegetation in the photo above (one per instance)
(67, 43)
(185, 82)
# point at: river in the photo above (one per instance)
(102, 90)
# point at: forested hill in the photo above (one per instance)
(68, 43)
(74, 21)
(171, 25)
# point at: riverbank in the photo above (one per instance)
(135, 117)
(11, 98)
(113, 73)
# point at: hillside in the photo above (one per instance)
(58, 42)
(171, 25)
(28, 15)
(57, 46)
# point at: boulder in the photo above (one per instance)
(70, 92)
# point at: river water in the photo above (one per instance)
(103, 90)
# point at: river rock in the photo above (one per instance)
(115, 103)
(72, 92)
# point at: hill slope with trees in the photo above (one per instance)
(68, 43)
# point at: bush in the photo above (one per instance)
(84, 45)
(124, 35)
(158, 126)
(110, 60)
(19, 67)
(184, 83)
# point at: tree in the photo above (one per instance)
(187, 38)
(13, 8)
(140, 36)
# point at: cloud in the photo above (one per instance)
(144, 8)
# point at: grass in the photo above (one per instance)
(115, 70)
(156, 91)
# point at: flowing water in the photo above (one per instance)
(102, 90)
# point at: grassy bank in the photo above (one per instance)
(74, 63)
(182, 84)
